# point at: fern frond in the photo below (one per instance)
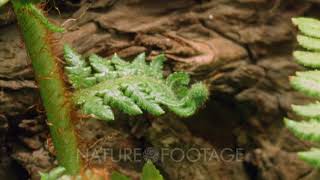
(312, 157)
(306, 130)
(102, 67)
(131, 87)
(150, 172)
(309, 43)
(116, 99)
(308, 83)
(310, 111)
(79, 73)
(95, 107)
(308, 59)
(308, 26)
(178, 81)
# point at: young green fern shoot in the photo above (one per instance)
(308, 82)
(105, 84)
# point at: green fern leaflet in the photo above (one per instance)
(308, 82)
(103, 85)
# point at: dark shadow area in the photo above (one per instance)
(216, 123)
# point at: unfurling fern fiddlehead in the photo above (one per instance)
(308, 82)
(102, 84)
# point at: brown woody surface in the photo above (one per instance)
(240, 48)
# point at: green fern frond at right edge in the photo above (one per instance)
(103, 85)
(308, 82)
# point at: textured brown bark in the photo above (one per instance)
(241, 49)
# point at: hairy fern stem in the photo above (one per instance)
(35, 29)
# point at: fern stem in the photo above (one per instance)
(52, 88)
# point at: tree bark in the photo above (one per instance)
(240, 48)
